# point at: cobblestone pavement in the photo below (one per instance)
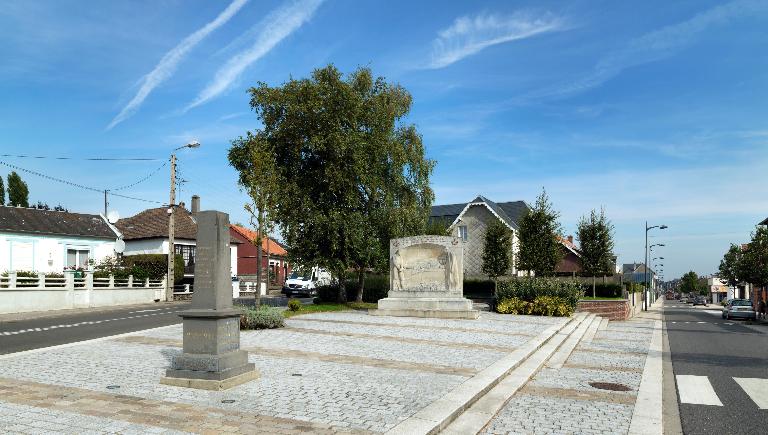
(562, 401)
(343, 372)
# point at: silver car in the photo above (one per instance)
(739, 308)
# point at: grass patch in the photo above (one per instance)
(327, 306)
(598, 298)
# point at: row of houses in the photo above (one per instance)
(48, 241)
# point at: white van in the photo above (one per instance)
(304, 282)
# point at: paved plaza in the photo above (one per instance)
(341, 372)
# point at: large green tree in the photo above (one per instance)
(731, 266)
(540, 246)
(349, 173)
(754, 262)
(497, 251)
(18, 192)
(595, 236)
(689, 283)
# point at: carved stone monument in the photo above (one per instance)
(426, 279)
(211, 358)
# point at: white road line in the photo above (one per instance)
(143, 311)
(92, 322)
(696, 390)
(756, 389)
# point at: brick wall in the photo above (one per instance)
(609, 309)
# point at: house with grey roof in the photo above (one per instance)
(49, 240)
(468, 221)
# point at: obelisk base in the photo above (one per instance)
(212, 358)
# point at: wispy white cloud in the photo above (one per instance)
(167, 65)
(469, 35)
(659, 44)
(279, 24)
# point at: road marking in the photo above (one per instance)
(92, 322)
(756, 389)
(144, 311)
(696, 390)
(696, 322)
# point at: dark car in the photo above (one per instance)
(739, 308)
(700, 300)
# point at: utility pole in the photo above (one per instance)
(645, 265)
(171, 228)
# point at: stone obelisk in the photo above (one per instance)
(212, 358)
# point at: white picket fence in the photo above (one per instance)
(41, 293)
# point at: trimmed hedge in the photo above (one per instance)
(141, 266)
(262, 318)
(545, 294)
(607, 290)
(478, 288)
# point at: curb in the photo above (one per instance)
(440, 413)
(647, 417)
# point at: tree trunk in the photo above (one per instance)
(593, 286)
(342, 297)
(360, 284)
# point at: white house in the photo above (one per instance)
(147, 233)
(49, 241)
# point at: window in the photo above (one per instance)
(463, 232)
(77, 257)
(187, 252)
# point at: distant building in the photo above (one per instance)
(50, 241)
(274, 257)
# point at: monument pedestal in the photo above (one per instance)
(211, 358)
(426, 279)
(441, 308)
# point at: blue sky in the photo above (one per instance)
(655, 112)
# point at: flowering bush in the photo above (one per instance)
(262, 318)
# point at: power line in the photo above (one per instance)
(140, 181)
(93, 189)
(98, 159)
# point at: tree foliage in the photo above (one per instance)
(689, 283)
(348, 174)
(731, 266)
(595, 236)
(754, 262)
(540, 246)
(18, 192)
(497, 252)
(2, 192)
(437, 227)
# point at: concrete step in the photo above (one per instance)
(481, 411)
(561, 356)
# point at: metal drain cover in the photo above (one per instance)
(610, 386)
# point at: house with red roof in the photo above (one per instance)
(274, 257)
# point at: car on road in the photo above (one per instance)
(739, 308)
(306, 283)
(700, 300)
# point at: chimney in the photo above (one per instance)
(195, 204)
(570, 240)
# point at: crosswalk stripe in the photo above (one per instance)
(696, 390)
(756, 389)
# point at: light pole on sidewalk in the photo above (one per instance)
(172, 224)
(647, 228)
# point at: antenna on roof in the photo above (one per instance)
(113, 216)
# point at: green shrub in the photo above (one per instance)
(294, 304)
(263, 317)
(551, 306)
(604, 290)
(566, 292)
(376, 287)
(328, 293)
(514, 306)
(479, 288)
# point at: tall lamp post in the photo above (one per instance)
(172, 224)
(647, 228)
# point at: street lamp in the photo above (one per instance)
(172, 223)
(647, 228)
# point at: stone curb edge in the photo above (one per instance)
(647, 415)
(76, 343)
(440, 413)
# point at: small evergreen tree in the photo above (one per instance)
(18, 192)
(2, 192)
(595, 235)
(497, 251)
(540, 246)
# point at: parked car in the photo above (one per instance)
(739, 308)
(305, 283)
(700, 300)
(684, 300)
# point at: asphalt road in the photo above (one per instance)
(33, 333)
(708, 352)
